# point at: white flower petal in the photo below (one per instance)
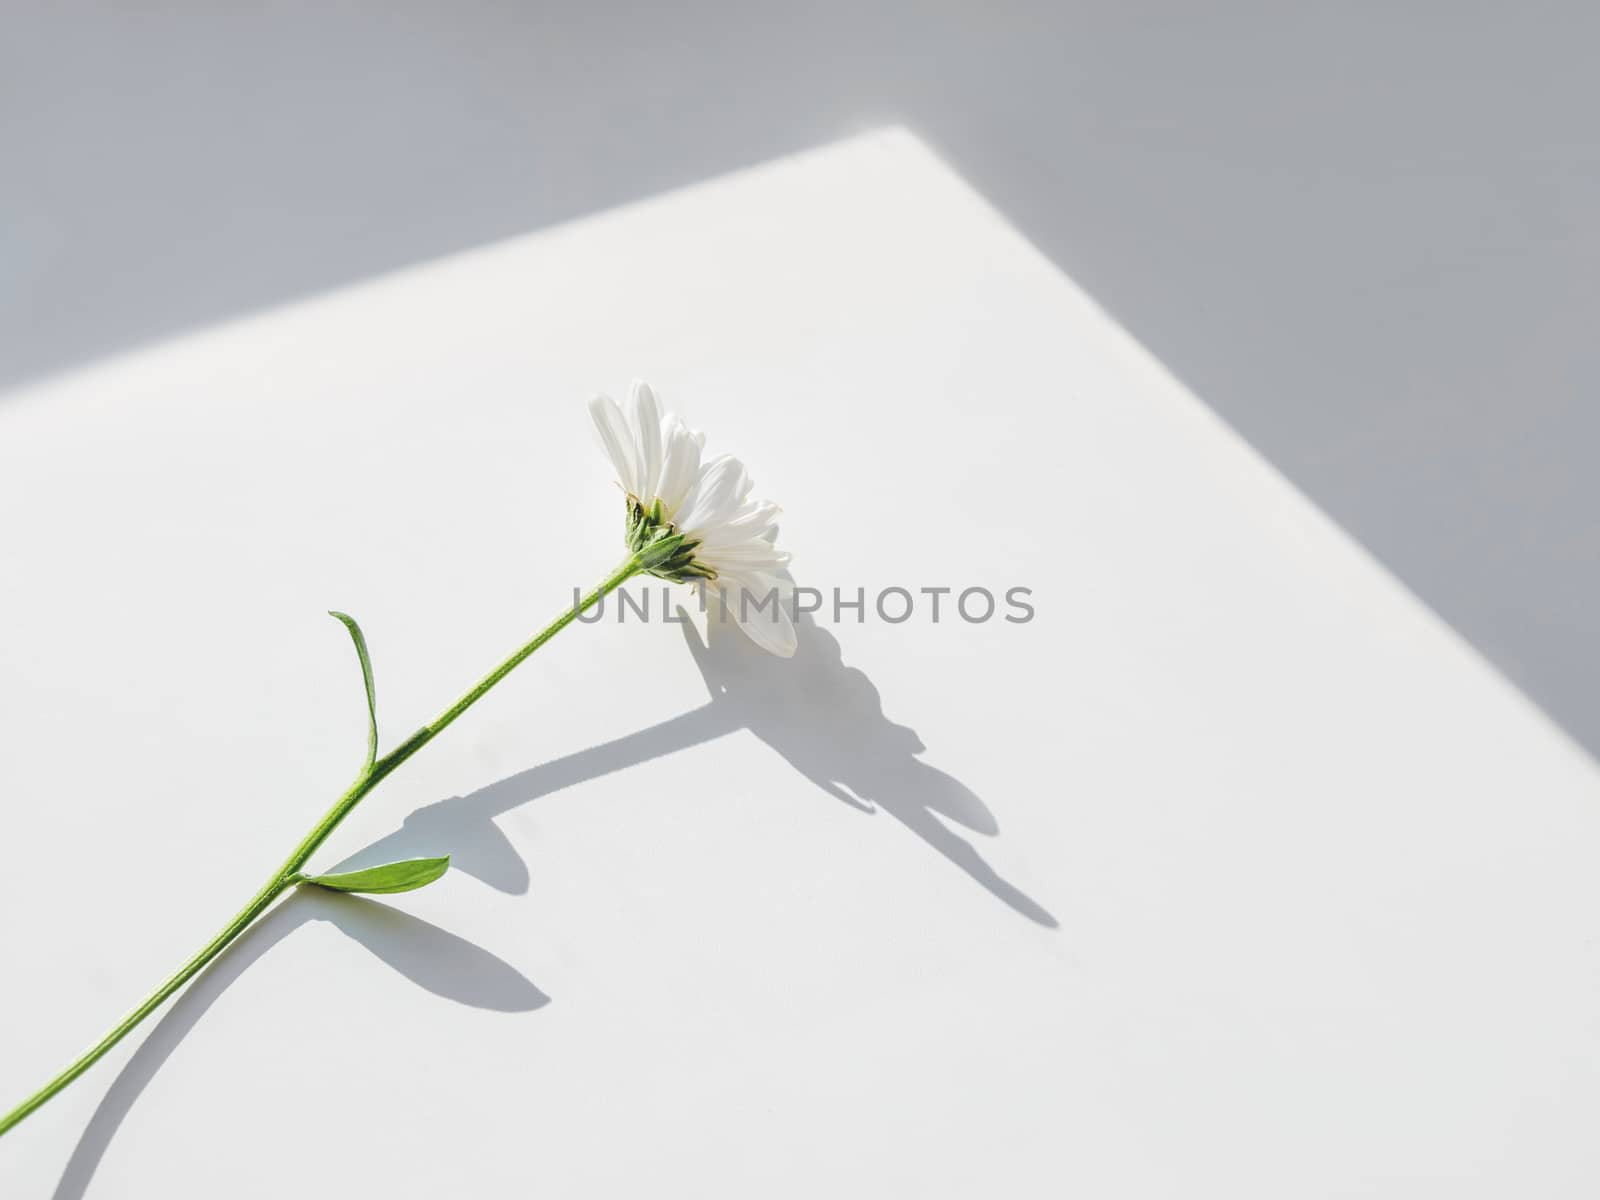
(758, 553)
(716, 497)
(768, 626)
(615, 439)
(680, 465)
(644, 412)
(751, 521)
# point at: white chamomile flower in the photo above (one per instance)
(688, 521)
(694, 522)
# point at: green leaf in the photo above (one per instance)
(393, 877)
(366, 677)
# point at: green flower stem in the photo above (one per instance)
(289, 873)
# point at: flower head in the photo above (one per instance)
(694, 522)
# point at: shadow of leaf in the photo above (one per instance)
(441, 962)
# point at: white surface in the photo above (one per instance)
(1328, 922)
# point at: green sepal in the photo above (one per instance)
(360, 640)
(662, 550)
(406, 876)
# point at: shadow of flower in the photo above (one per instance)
(824, 718)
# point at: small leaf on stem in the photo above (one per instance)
(406, 876)
(366, 677)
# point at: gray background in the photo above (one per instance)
(1364, 233)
